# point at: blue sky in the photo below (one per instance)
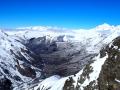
(61, 13)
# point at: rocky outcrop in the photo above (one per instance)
(26, 70)
(41, 45)
(109, 77)
(110, 73)
(5, 84)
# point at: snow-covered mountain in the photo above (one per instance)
(103, 73)
(51, 58)
(92, 37)
(16, 63)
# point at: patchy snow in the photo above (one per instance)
(96, 70)
(115, 57)
(115, 47)
(117, 80)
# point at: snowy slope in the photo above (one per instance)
(10, 52)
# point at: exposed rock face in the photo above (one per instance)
(109, 77)
(110, 72)
(26, 70)
(41, 45)
(5, 84)
(59, 57)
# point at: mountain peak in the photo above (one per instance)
(105, 26)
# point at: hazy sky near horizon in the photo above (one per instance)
(61, 13)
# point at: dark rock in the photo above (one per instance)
(17, 78)
(5, 84)
(69, 84)
(26, 70)
(41, 45)
(111, 69)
